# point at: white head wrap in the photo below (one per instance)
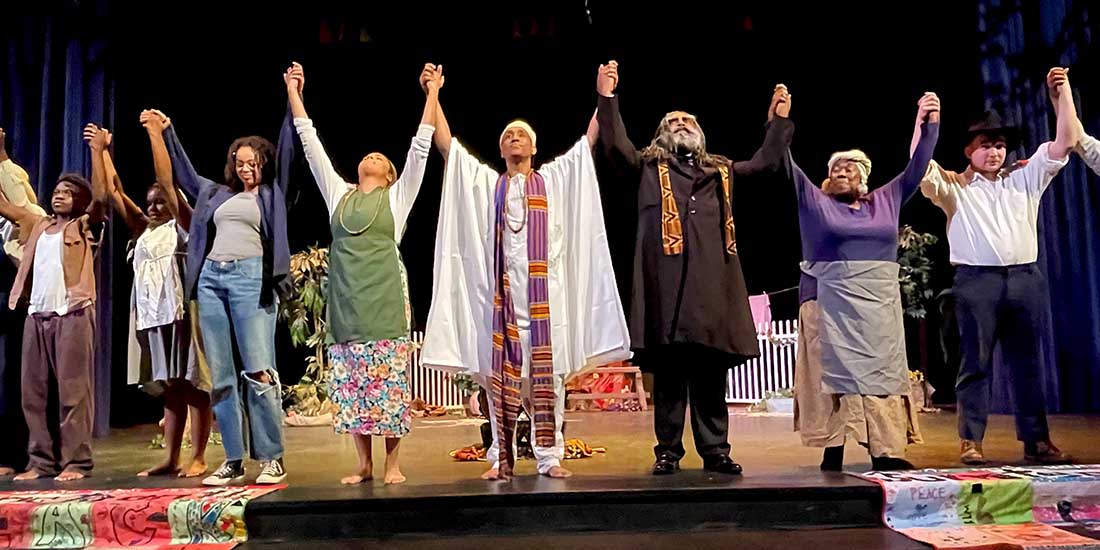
(863, 164)
(524, 126)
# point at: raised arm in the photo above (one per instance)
(131, 214)
(332, 185)
(777, 138)
(613, 144)
(926, 133)
(407, 187)
(97, 139)
(154, 123)
(442, 136)
(1069, 130)
(184, 173)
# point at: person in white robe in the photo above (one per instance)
(587, 324)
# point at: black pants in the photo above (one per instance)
(1000, 306)
(13, 429)
(684, 374)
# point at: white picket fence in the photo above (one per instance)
(433, 386)
(747, 383)
(774, 370)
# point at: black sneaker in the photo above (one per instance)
(271, 473)
(230, 472)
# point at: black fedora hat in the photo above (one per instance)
(990, 124)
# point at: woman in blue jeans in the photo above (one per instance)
(236, 259)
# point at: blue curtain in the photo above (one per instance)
(1020, 41)
(55, 80)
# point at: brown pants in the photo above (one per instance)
(59, 349)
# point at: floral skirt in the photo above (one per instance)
(370, 385)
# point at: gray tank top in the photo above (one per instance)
(238, 229)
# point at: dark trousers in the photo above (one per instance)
(58, 351)
(684, 374)
(1000, 306)
(13, 429)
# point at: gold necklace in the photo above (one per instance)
(344, 205)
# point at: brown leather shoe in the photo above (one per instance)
(972, 453)
(1044, 452)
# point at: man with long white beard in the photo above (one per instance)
(689, 314)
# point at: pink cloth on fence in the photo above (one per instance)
(761, 312)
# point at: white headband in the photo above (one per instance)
(863, 164)
(522, 125)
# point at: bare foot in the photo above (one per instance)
(492, 474)
(363, 475)
(394, 477)
(195, 469)
(27, 476)
(5, 471)
(69, 476)
(163, 469)
(557, 472)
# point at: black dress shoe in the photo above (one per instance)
(832, 459)
(722, 465)
(889, 464)
(665, 465)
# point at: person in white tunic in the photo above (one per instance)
(163, 355)
(524, 294)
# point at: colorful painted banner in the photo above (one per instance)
(142, 518)
(992, 505)
(1024, 536)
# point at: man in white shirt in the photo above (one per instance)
(1000, 292)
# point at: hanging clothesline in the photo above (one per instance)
(774, 292)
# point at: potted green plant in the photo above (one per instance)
(303, 309)
(777, 401)
(915, 275)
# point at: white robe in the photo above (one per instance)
(588, 327)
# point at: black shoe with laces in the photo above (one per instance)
(271, 473)
(666, 465)
(230, 471)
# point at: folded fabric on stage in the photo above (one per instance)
(574, 448)
(988, 507)
(126, 518)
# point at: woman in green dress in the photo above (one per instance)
(368, 311)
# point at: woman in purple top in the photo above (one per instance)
(851, 376)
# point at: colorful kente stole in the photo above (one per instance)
(507, 353)
(672, 233)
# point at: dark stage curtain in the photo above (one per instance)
(1020, 41)
(55, 79)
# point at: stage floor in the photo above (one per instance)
(763, 444)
